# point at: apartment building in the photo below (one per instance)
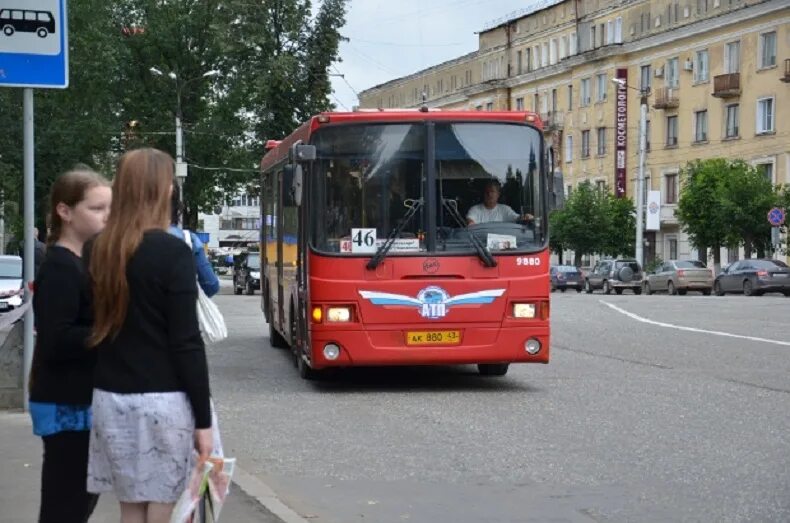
(718, 72)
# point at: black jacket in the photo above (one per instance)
(62, 364)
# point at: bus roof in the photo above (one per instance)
(279, 152)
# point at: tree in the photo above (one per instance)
(582, 224)
(724, 203)
(748, 196)
(620, 229)
(701, 209)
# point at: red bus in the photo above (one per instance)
(408, 238)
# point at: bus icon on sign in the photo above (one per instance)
(27, 21)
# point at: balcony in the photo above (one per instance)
(553, 120)
(786, 77)
(727, 85)
(666, 98)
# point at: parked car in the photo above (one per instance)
(617, 275)
(247, 273)
(753, 278)
(565, 277)
(679, 277)
(11, 289)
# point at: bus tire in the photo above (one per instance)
(276, 339)
(492, 369)
(42, 33)
(8, 30)
(306, 372)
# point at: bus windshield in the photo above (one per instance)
(370, 178)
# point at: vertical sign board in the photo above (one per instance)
(653, 211)
(621, 133)
(34, 49)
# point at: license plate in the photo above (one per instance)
(433, 337)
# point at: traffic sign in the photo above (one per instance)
(34, 49)
(776, 216)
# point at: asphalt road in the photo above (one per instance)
(653, 408)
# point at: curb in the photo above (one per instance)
(263, 494)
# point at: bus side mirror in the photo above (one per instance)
(301, 153)
(557, 195)
(292, 185)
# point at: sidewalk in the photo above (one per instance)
(20, 481)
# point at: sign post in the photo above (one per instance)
(33, 53)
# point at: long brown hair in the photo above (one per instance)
(141, 202)
(70, 188)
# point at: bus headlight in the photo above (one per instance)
(524, 310)
(338, 314)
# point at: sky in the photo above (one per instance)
(394, 38)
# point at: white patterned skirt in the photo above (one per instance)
(142, 445)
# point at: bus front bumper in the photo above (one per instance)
(381, 347)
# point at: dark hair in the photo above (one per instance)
(493, 182)
(70, 188)
(175, 203)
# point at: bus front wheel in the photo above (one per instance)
(493, 369)
(8, 30)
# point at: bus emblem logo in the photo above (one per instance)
(432, 302)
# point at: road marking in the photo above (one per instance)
(692, 329)
(264, 495)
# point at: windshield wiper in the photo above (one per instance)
(482, 250)
(381, 253)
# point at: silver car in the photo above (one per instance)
(679, 277)
(11, 289)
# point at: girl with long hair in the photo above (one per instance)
(62, 372)
(151, 401)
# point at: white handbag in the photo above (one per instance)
(212, 323)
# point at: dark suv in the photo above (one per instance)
(617, 275)
(247, 273)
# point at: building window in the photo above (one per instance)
(569, 149)
(600, 185)
(732, 120)
(536, 102)
(570, 97)
(585, 95)
(545, 55)
(528, 58)
(618, 30)
(592, 36)
(645, 189)
(645, 77)
(572, 44)
(701, 126)
(673, 73)
(732, 255)
(563, 47)
(768, 49)
(585, 144)
(732, 57)
(701, 66)
(671, 185)
(647, 135)
(672, 131)
(520, 104)
(767, 170)
(765, 115)
(610, 32)
(553, 51)
(554, 102)
(536, 57)
(673, 248)
(519, 63)
(601, 141)
(490, 106)
(569, 191)
(600, 80)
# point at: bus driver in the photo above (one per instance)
(493, 211)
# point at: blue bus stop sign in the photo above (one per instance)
(776, 216)
(34, 50)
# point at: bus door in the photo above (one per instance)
(279, 233)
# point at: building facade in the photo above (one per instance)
(236, 225)
(718, 73)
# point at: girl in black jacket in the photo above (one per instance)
(61, 382)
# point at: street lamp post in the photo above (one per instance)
(640, 177)
(181, 165)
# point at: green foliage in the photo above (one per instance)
(272, 57)
(724, 203)
(593, 221)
